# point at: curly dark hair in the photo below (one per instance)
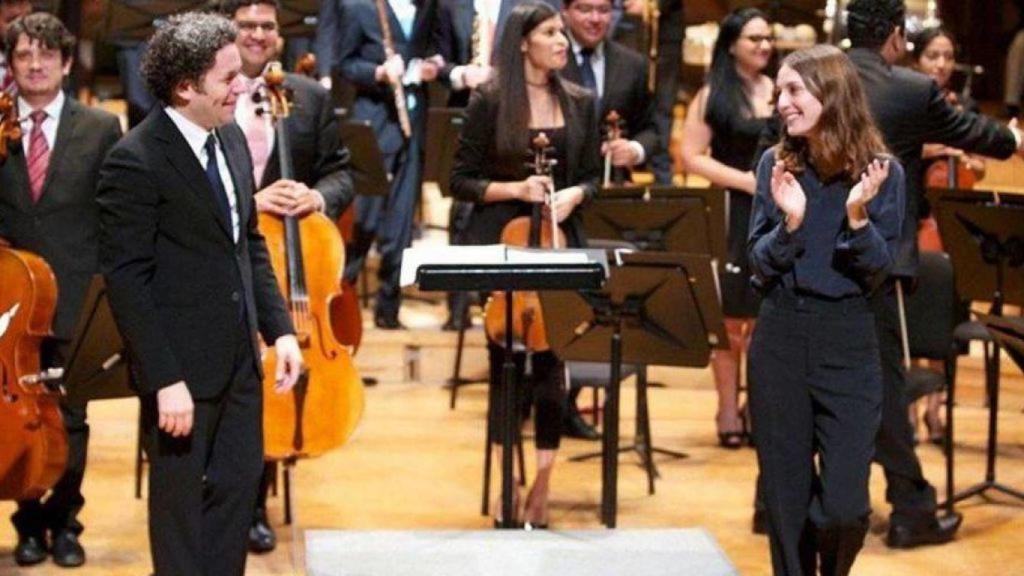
(45, 28)
(869, 23)
(184, 49)
(229, 7)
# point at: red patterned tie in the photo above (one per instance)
(38, 155)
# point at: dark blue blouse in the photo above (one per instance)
(824, 257)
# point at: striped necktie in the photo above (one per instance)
(38, 155)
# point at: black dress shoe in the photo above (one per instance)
(67, 552)
(574, 426)
(759, 525)
(387, 322)
(939, 531)
(30, 550)
(261, 536)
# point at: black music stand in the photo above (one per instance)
(97, 367)
(444, 125)
(509, 278)
(369, 174)
(985, 241)
(655, 309)
(662, 219)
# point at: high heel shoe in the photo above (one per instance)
(734, 439)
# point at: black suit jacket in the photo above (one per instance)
(910, 110)
(625, 91)
(361, 50)
(176, 279)
(477, 162)
(63, 227)
(319, 159)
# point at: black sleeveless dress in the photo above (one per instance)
(734, 144)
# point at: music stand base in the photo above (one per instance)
(980, 489)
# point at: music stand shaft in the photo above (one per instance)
(508, 401)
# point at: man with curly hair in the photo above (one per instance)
(190, 284)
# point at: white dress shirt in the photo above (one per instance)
(53, 111)
(196, 137)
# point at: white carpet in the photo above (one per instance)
(515, 553)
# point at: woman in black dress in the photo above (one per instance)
(726, 118)
(825, 229)
(528, 97)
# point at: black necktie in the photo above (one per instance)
(220, 194)
(587, 76)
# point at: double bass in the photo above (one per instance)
(322, 410)
(527, 321)
(34, 450)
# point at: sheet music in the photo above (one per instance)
(413, 258)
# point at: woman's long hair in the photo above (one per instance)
(726, 98)
(510, 78)
(846, 138)
(923, 38)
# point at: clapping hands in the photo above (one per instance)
(864, 191)
(788, 196)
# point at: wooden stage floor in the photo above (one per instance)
(414, 464)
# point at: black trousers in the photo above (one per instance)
(202, 487)
(815, 393)
(912, 497)
(544, 389)
(59, 511)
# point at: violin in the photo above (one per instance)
(612, 131)
(322, 410)
(528, 328)
(34, 450)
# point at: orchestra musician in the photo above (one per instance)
(618, 78)
(190, 284)
(824, 230)
(527, 97)
(362, 57)
(48, 207)
(720, 137)
(910, 110)
(322, 180)
(10, 10)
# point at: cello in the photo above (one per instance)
(322, 410)
(34, 450)
(527, 327)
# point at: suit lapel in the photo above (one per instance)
(17, 163)
(242, 178)
(180, 156)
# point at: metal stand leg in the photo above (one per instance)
(610, 457)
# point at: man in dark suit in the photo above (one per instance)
(362, 60)
(910, 110)
(321, 183)
(617, 76)
(48, 207)
(190, 284)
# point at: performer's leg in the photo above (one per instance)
(395, 233)
(781, 405)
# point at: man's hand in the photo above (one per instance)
(428, 71)
(623, 153)
(391, 71)
(175, 409)
(475, 75)
(289, 198)
(289, 363)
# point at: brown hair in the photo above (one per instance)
(846, 138)
(46, 29)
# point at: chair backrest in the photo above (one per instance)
(931, 308)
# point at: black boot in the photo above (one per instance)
(67, 552)
(31, 549)
(838, 547)
(261, 536)
(932, 531)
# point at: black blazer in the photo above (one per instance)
(63, 228)
(477, 162)
(361, 50)
(319, 159)
(910, 110)
(176, 279)
(625, 91)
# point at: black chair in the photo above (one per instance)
(932, 311)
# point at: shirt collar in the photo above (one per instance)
(577, 48)
(53, 109)
(194, 134)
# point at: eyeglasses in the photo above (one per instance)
(587, 10)
(251, 27)
(758, 38)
